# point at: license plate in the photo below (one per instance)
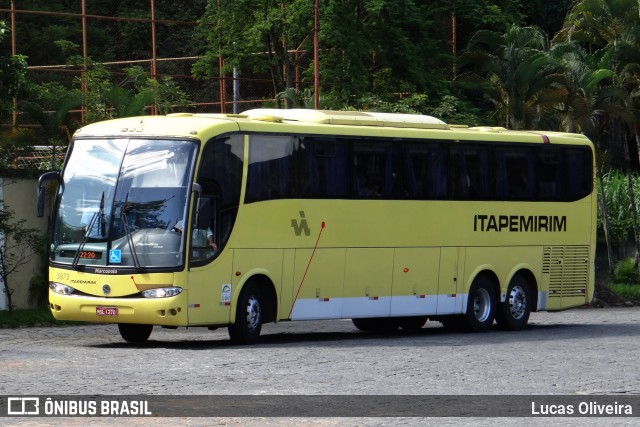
(106, 311)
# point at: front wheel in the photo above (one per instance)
(133, 333)
(249, 317)
(481, 305)
(513, 313)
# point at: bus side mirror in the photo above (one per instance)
(41, 190)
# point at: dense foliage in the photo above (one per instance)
(392, 55)
(570, 65)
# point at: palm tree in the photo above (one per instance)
(590, 89)
(598, 23)
(592, 97)
(57, 124)
(123, 103)
(521, 78)
(610, 30)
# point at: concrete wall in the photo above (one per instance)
(19, 195)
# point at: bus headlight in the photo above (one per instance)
(59, 288)
(161, 292)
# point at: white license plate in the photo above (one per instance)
(106, 311)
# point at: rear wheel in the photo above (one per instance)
(134, 333)
(481, 305)
(249, 316)
(513, 313)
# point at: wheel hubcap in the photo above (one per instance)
(517, 302)
(253, 313)
(482, 305)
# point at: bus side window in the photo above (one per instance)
(484, 172)
(578, 181)
(548, 173)
(410, 188)
(459, 178)
(502, 180)
(425, 171)
(373, 169)
(332, 156)
(520, 174)
(270, 167)
(220, 176)
(437, 173)
(305, 169)
(320, 168)
(472, 173)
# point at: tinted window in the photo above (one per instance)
(296, 166)
(425, 171)
(282, 166)
(373, 174)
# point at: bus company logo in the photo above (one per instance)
(520, 223)
(301, 226)
(23, 406)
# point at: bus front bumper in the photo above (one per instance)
(169, 311)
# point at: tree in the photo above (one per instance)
(610, 29)
(590, 88)
(521, 79)
(18, 244)
(379, 48)
(131, 96)
(271, 36)
(166, 94)
(368, 48)
(12, 76)
(592, 98)
(51, 112)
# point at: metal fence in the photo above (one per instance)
(226, 93)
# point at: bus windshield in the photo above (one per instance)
(123, 203)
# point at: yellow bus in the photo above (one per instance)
(386, 219)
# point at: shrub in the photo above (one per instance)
(626, 292)
(626, 272)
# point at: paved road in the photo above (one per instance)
(577, 352)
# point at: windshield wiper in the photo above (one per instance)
(125, 224)
(97, 215)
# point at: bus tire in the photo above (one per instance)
(249, 316)
(134, 333)
(513, 313)
(481, 305)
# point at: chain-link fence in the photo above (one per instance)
(42, 158)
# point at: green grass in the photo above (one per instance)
(629, 292)
(29, 317)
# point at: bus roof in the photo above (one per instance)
(190, 124)
(354, 118)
